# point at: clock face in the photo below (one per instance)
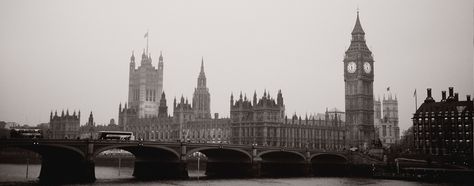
(351, 67)
(367, 67)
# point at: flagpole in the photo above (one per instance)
(416, 101)
(147, 36)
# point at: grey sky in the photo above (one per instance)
(75, 54)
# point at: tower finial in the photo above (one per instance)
(358, 28)
(146, 35)
(202, 64)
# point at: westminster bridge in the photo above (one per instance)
(73, 160)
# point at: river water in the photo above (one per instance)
(15, 174)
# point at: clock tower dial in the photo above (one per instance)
(358, 79)
(351, 67)
(367, 67)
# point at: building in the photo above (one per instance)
(256, 122)
(190, 121)
(386, 127)
(263, 122)
(183, 112)
(207, 130)
(358, 79)
(88, 131)
(160, 127)
(201, 97)
(145, 85)
(445, 128)
(65, 126)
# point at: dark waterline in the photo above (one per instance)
(15, 174)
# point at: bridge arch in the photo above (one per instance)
(279, 163)
(134, 148)
(151, 161)
(225, 161)
(328, 164)
(60, 163)
(230, 150)
(44, 149)
(336, 157)
(281, 152)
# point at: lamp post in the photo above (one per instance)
(198, 171)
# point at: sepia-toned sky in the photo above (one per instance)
(74, 55)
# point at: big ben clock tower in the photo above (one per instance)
(359, 79)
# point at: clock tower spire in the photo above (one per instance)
(359, 79)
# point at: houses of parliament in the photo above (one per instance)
(258, 120)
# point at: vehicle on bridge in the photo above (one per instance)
(115, 135)
(26, 133)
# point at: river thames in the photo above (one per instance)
(15, 174)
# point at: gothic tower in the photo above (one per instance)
(359, 78)
(145, 85)
(201, 97)
(390, 114)
(378, 109)
(163, 110)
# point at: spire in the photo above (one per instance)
(174, 103)
(132, 58)
(255, 98)
(163, 95)
(202, 75)
(161, 57)
(202, 65)
(358, 27)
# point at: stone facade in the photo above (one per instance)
(145, 86)
(207, 131)
(444, 128)
(88, 131)
(386, 127)
(358, 79)
(263, 122)
(190, 122)
(65, 126)
(201, 97)
(160, 128)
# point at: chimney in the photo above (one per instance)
(429, 99)
(456, 96)
(443, 95)
(468, 97)
(451, 93)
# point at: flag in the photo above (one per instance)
(388, 88)
(146, 35)
(414, 93)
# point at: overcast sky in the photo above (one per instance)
(75, 54)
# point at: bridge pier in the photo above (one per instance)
(54, 170)
(256, 167)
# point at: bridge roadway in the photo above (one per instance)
(73, 160)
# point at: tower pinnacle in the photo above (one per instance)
(358, 27)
